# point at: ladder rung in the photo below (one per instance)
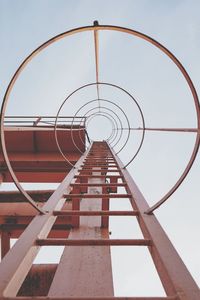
(108, 185)
(100, 170)
(95, 213)
(99, 163)
(98, 196)
(93, 298)
(99, 159)
(93, 242)
(94, 158)
(98, 166)
(99, 176)
(100, 156)
(100, 151)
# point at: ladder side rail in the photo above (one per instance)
(174, 275)
(17, 263)
(92, 298)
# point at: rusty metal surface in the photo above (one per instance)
(88, 272)
(93, 242)
(38, 280)
(95, 213)
(15, 196)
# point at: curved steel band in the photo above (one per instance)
(128, 124)
(114, 132)
(102, 113)
(92, 28)
(105, 115)
(97, 107)
(111, 85)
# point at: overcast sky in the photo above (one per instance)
(132, 64)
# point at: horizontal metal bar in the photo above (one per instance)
(99, 165)
(93, 242)
(100, 170)
(43, 128)
(98, 184)
(100, 161)
(96, 196)
(169, 129)
(91, 298)
(100, 154)
(35, 122)
(16, 196)
(99, 176)
(95, 213)
(94, 158)
(44, 117)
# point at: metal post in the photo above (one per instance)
(1, 178)
(5, 243)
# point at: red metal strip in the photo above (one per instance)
(93, 242)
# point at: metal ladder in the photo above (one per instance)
(96, 178)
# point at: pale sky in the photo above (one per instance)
(134, 65)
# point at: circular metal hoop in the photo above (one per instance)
(110, 85)
(93, 115)
(113, 135)
(84, 105)
(110, 102)
(92, 28)
(105, 115)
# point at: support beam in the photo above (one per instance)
(105, 185)
(96, 213)
(1, 178)
(5, 243)
(96, 46)
(88, 272)
(15, 196)
(95, 196)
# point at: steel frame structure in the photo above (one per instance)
(85, 185)
(96, 28)
(32, 149)
(76, 215)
